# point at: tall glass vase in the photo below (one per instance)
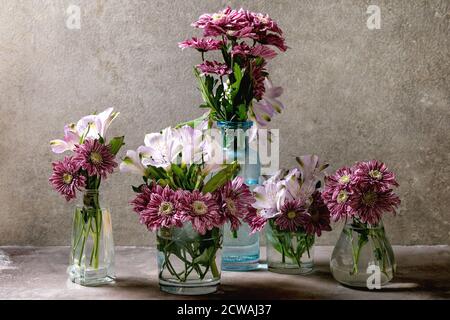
(92, 250)
(240, 249)
(188, 262)
(363, 256)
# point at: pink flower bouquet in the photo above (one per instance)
(360, 195)
(92, 159)
(186, 197)
(237, 88)
(290, 205)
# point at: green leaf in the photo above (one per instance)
(220, 178)
(115, 144)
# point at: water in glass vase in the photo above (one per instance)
(92, 250)
(240, 248)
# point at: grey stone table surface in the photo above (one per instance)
(40, 273)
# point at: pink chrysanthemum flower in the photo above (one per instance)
(338, 189)
(200, 209)
(274, 40)
(291, 217)
(254, 220)
(142, 199)
(259, 74)
(369, 203)
(221, 23)
(234, 199)
(374, 173)
(201, 44)
(66, 178)
(162, 210)
(214, 67)
(95, 158)
(318, 217)
(243, 50)
(262, 23)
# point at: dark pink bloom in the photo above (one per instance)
(234, 199)
(245, 51)
(262, 23)
(291, 217)
(95, 158)
(318, 217)
(337, 192)
(369, 203)
(201, 44)
(142, 199)
(374, 173)
(259, 74)
(254, 220)
(222, 22)
(274, 40)
(162, 210)
(214, 67)
(66, 178)
(200, 209)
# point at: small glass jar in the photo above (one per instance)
(289, 252)
(240, 248)
(92, 249)
(363, 256)
(189, 263)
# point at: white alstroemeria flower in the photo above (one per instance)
(95, 125)
(192, 142)
(267, 200)
(132, 163)
(161, 149)
(71, 138)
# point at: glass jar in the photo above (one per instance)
(92, 246)
(363, 256)
(289, 252)
(241, 249)
(189, 263)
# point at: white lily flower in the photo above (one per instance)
(161, 149)
(132, 163)
(71, 138)
(192, 144)
(95, 125)
(267, 200)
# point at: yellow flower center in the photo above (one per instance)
(376, 174)
(344, 179)
(231, 206)
(96, 158)
(342, 196)
(217, 16)
(199, 207)
(291, 214)
(67, 178)
(369, 198)
(165, 208)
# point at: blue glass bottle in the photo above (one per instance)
(240, 249)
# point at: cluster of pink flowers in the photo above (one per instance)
(364, 191)
(234, 28)
(162, 207)
(91, 160)
(292, 200)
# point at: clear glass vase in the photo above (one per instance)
(189, 263)
(289, 252)
(363, 256)
(240, 249)
(92, 249)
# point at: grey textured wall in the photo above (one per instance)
(351, 94)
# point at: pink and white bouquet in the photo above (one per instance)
(238, 88)
(290, 205)
(92, 159)
(186, 195)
